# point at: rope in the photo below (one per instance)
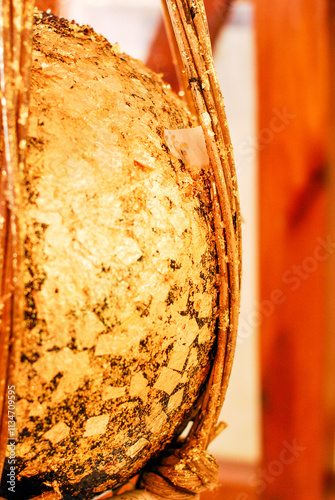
(182, 474)
(15, 55)
(190, 470)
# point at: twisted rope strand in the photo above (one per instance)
(182, 77)
(15, 50)
(190, 52)
(190, 469)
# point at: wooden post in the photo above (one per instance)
(330, 345)
(295, 246)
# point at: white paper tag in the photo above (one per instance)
(188, 144)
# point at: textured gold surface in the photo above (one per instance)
(121, 298)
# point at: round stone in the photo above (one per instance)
(120, 268)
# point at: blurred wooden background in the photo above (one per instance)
(293, 77)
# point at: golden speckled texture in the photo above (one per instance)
(121, 296)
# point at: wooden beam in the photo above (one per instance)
(330, 345)
(292, 59)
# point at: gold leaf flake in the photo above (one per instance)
(132, 451)
(156, 422)
(189, 333)
(95, 426)
(204, 335)
(116, 49)
(192, 360)
(29, 472)
(145, 161)
(116, 344)
(138, 384)
(88, 330)
(203, 304)
(113, 393)
(168, 380)
(175, 401)
(57, 433)
(128, 251)
(65, 360)
(178, 357)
